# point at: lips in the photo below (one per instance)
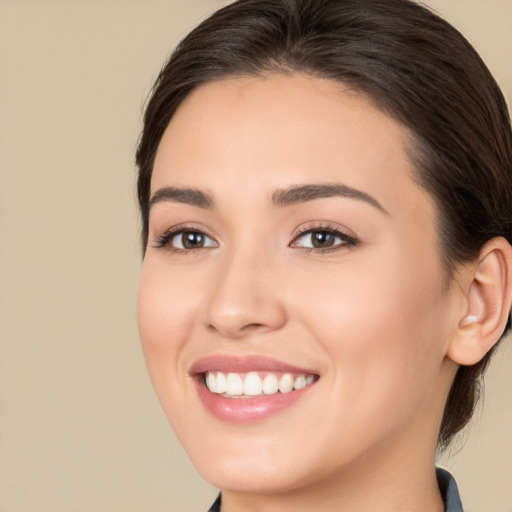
(249, 389)
(226, 363)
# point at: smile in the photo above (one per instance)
(253, 384)
(251, 388)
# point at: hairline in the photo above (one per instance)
(413, 145)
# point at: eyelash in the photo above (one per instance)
(347, 240)
(163, 241)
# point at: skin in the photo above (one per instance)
(375, 320)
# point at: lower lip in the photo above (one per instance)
(247, 410)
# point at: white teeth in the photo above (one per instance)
(234, 384)
(300, 382)
(222, 385)
(211, 381)
(286, 383)
(251, 384)
(270, 384)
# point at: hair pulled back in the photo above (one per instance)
(414, 66)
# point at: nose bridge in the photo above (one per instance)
(242, 299)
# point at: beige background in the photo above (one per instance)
(80, 428)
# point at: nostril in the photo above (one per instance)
(253, 327)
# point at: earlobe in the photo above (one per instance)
(488, 289)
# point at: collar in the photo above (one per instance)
(449, 491)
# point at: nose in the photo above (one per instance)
(244, 299)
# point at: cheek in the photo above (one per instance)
(381, 330)
(167, 314)
(166, 302)
(164, 316)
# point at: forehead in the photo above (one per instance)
(275, 131)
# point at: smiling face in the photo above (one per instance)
(290, 251)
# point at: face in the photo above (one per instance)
(292, 306)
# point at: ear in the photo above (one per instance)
(488, 290)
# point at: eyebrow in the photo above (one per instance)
(303, 193)
(192, 196)
(295, 194)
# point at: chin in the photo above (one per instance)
(244, 478)
(252, 467)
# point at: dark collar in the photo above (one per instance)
(216, 506)
(449, 491)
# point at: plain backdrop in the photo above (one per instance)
(80, 427)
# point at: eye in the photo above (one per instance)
(323, 238)
(182, 239)
(191, 240)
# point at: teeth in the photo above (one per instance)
(211, 381)
(270, 384)
(251, 384)
(234, 384)
(222, 384)
(286, 383)
(300, 382)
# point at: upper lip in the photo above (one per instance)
(241, 364)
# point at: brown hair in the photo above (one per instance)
(414, 66)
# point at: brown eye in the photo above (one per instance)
(321, 238)
(191, 239)
(186, 240)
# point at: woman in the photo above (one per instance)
(325, 190)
